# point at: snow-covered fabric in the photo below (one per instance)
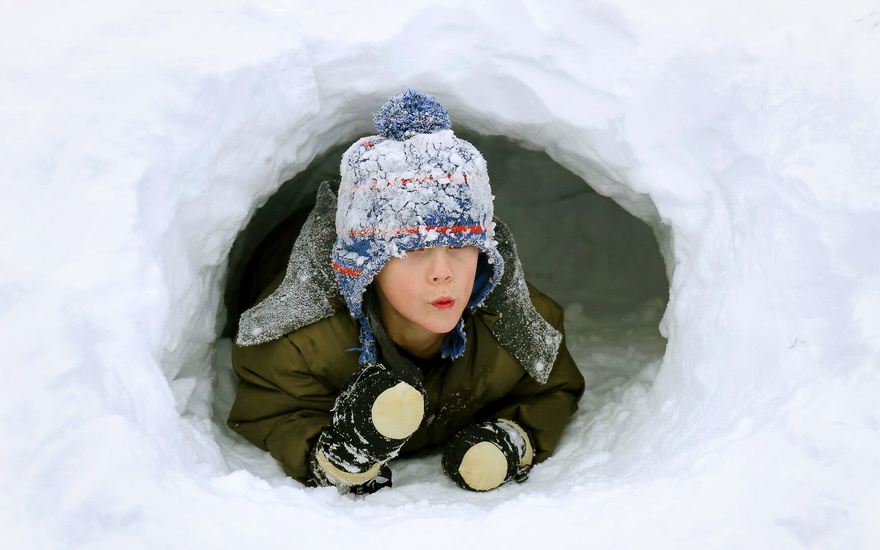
(354, 442)
(483, 456)
(309, 291)
(309, 286)
(519, 328)
(406, 189)
(408, 114)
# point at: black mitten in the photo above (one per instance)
(481, 457)
(380, 481)
(375, 413)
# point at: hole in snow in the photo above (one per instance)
(581, 248)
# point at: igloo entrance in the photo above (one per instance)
(580, 247)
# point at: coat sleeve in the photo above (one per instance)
(281, 406)
(543, 410)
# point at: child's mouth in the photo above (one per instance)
(444, 303)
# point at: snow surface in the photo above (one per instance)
(138, 138)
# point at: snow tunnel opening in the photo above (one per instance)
(600, 262)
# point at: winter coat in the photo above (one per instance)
(288, 383)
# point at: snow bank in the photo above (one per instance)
(138, 138)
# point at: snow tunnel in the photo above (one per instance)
(588, 236)
(583, 249)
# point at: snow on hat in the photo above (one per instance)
(415, 185)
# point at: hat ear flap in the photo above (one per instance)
(455, 342)
(482, 279)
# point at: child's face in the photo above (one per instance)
(426, 292)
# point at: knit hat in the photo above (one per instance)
(415, 185)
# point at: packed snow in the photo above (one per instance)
(736, 411)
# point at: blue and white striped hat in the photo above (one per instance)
(415, 185)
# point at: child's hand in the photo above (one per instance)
(481, 457)
(374, 415)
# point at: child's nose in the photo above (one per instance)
(441, 267)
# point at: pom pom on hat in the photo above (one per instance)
(410, 113)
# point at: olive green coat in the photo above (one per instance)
(297, 346)
(289, 385)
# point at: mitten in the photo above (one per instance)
(374, 415)
(481, 457)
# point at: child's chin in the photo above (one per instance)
(442, 326)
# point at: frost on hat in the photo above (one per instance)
(413, 185)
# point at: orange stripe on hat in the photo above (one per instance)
(347, 271)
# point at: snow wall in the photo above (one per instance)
(139, 138)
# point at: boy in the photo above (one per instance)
(406, 324)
